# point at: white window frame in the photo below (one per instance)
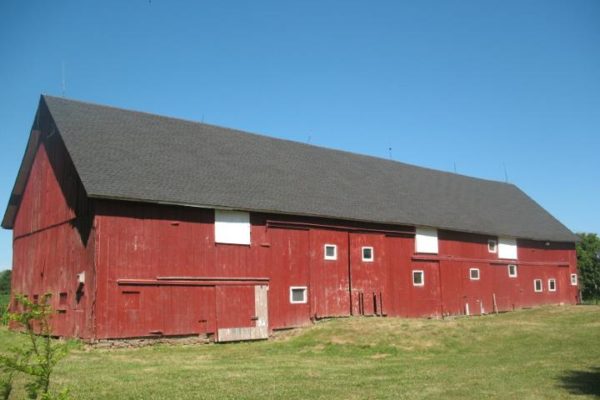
(516, 271)
(334, 256)
(573, 279)
(418, 271)
(471, 274)
(495, 244)
(552, 280)
(535, 286)
(232, 227)
(362, 254)
(304, 288)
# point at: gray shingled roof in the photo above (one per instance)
(137, 156)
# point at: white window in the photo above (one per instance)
(512, 270)
(537, 285)
(232, 227)
(492, 246)
(552, 285)
(418, 277)
(507, 248)
(574, 279)
(368, 254)
(474, 274)
(330, 251)
(426, 240)
(298, 295)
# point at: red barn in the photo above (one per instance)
(142, 225)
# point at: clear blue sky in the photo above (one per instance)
(479, 84)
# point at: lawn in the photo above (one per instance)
(544, 353)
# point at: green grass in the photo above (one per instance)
(545, 353)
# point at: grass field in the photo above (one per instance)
(545, 353)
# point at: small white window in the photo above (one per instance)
(552, 285)
(330, 251)
(426, 240)
(418, 277)
(232, 227)
(474, 274)
(492, 246)
(512, 270)
(298, 295)
(574, 279)
(537, 285)
(368, 254)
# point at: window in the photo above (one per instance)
(426, 240)
(474, 274)
(507, 248)
(574, 279)
(512, 270)
(232, 227)
(298, 295)
(537, 285)
(552, 285)
(330, 251)
(492, 246)
(418, 278)
(62, 298)
(368, 254)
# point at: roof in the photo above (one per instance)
(129, 155)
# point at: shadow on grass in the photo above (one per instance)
(582, 382)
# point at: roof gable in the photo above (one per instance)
(131, 155)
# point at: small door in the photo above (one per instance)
(242, 313)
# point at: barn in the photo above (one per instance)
(147, 226)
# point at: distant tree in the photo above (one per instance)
(5, 281)
(588, 262)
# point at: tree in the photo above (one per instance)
(5, 281)
(588, 262)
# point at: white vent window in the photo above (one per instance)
(330, 251)
(537, 285)
(232, 227)
(512, 270)
(492, 246)
(298, 295)
(426, 240)
(474, 274)
(507, 248)
(574, 279)
(418, 278)
(552, 285)
(368, 254)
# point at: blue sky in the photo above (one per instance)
(479, 85)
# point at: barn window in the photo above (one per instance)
(552, 285)
(62, 298)
(512, 270)
(537, 285)
(418, 277)
(426, 240)
(298, 294)
(492, 246)
(474, 274)
(330, 252)
(507, 248)
(368, 254)
(232, 227)
(574, 279)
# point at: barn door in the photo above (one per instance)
(368, 273)
(242, 313)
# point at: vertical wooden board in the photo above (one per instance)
(399, 252)
(329, 283)
(368, 278)
(289, 266)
